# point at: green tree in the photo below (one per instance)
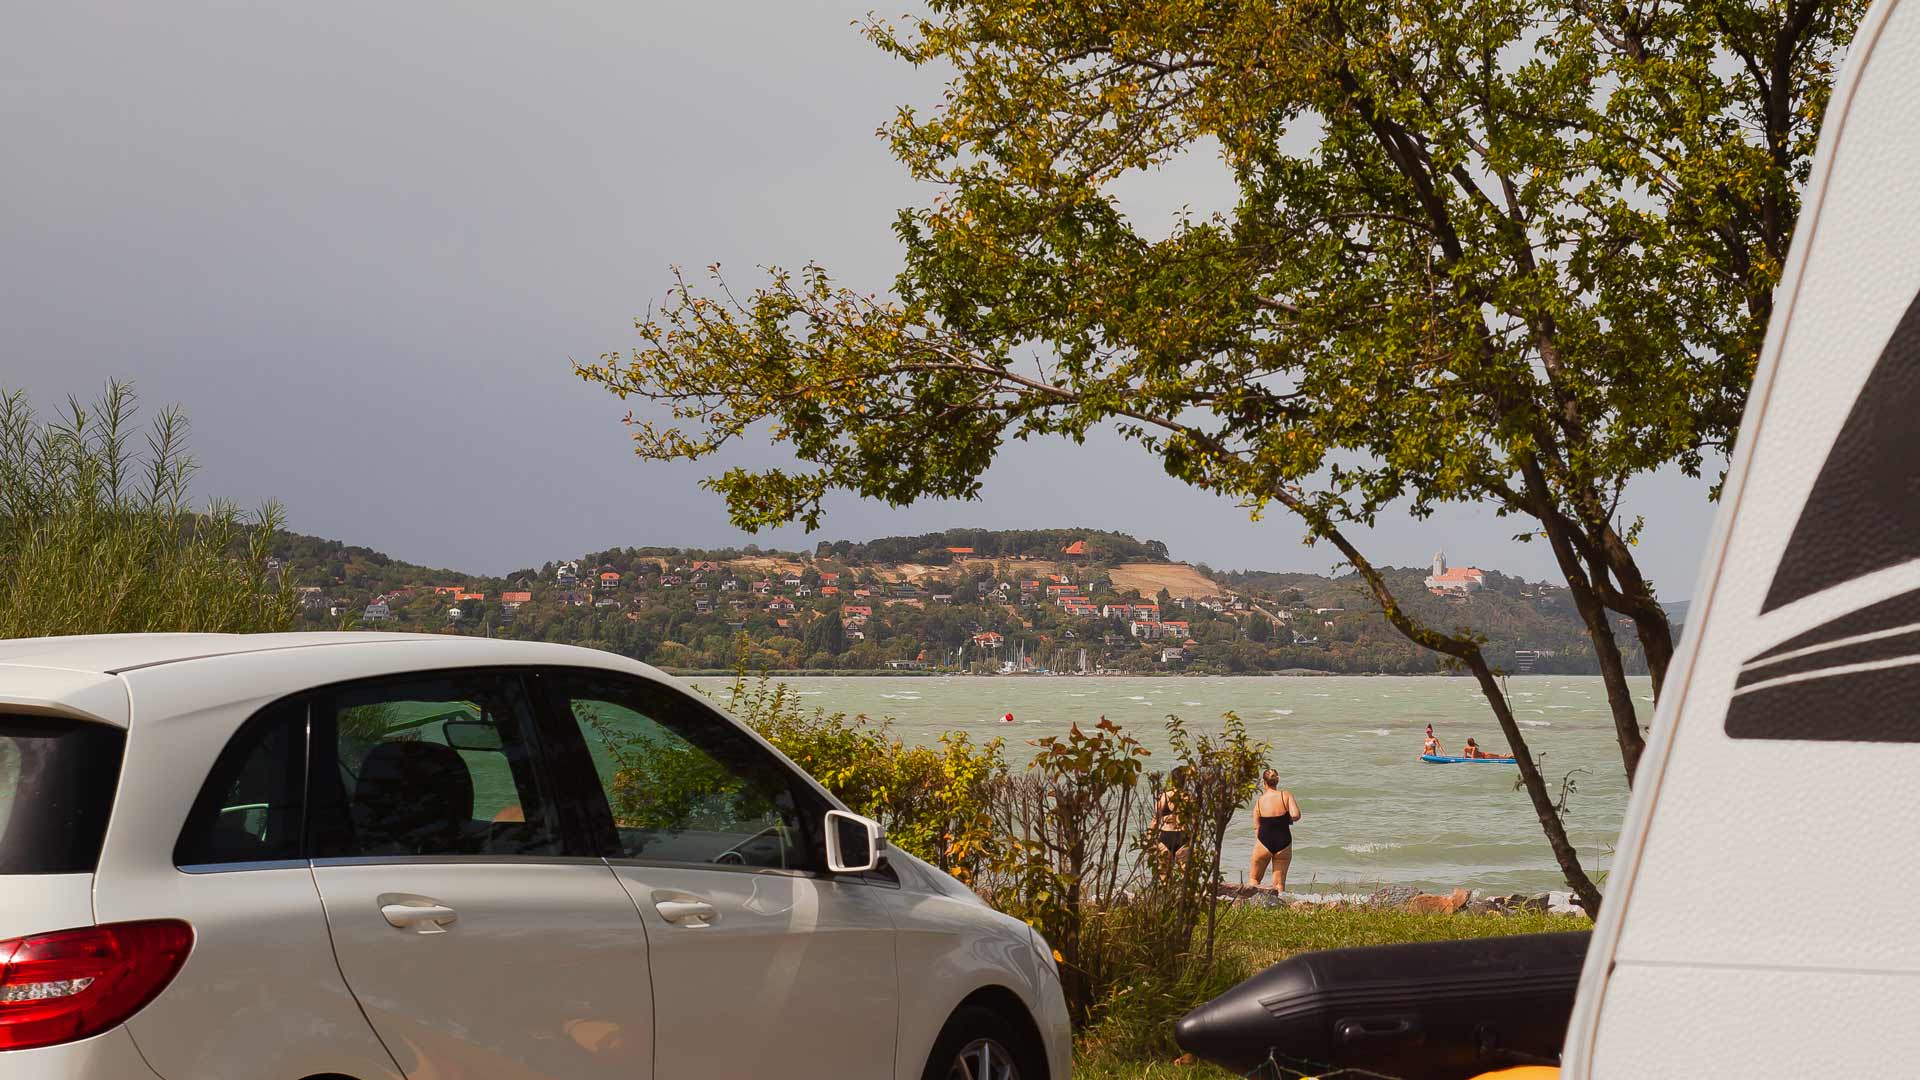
(1486, 252)
(98, 537)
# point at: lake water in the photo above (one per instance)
(1348, 747)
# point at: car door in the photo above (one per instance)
(477, 941)
(763, 963)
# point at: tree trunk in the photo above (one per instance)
(1586, 597)
(1585, 892)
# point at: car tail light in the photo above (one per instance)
(70, 984)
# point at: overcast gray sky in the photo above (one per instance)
(359, 242)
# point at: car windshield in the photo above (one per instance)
(57, 779)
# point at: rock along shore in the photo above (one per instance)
(1406, 898)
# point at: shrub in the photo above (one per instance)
(1077, 858)
(932, 802)
(99, 537)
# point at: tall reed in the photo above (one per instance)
(97, 533)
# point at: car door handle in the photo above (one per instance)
(405, 915)
(689, 912)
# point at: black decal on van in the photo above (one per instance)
(1852, 679)
(1863, 514)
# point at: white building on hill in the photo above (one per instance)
(1460, 579)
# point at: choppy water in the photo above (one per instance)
(1348, 747)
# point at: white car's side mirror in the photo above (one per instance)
(853, 842)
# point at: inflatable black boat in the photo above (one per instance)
(1436, 1010)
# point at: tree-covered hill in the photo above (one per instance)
(1004, 600)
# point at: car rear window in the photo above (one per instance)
(57, 779)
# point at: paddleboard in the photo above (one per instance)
(1448, 759)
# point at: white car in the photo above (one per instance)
(357, 856)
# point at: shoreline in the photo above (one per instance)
(895, 673)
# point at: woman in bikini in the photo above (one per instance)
(1169, 829)
(1274, 812)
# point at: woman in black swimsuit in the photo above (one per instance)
(1274, 812)
(1169, 831)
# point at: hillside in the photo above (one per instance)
(1017, 600)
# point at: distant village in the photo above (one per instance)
(1067, 608)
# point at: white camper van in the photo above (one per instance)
(1762, 916)
(1785, 756)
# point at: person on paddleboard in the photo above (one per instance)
(1432, 746)
(1474, 751)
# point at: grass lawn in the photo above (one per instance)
(1253, 938)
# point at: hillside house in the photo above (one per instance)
(863, 593)
(943, 598)
(1079, 608)
(784, 624)
(512, 600)
(791, 581)
(960, 552)
(730, 585)
(1149, 612)
(762, 587)
(702, 606)
(1173, 654)
(705, 568)
(576, 598)
(610, 579)
(312, 598)
(378, 611)
(829, 579)
(1145, 629)
(447, 590)
(668, 581)
(466, 596)
(1116, 611)
(1075, 550)
(988, 640)
(454, 613)
(780, 603)
(829, 590)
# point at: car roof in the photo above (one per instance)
(110, 654)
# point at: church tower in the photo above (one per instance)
(1439, 564)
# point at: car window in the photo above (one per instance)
(249, 809)
(430, 766)
(57, 778)
(683, 783)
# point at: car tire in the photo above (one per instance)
(981, 1044)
